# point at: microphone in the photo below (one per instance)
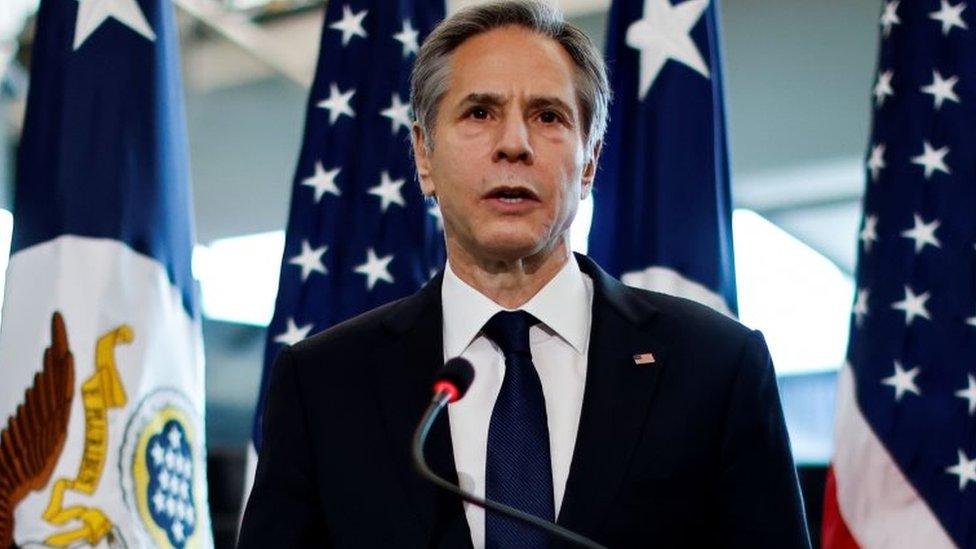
(454, 379)
(450, 385)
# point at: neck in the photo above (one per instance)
(510, 283)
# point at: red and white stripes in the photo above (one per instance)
(868, 501)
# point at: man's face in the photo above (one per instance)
(508, 164)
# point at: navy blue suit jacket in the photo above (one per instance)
(688, 451)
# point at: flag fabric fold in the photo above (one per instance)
(662, 209)
(100, 348)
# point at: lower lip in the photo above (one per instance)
(511, 206)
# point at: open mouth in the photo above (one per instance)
(512, 195)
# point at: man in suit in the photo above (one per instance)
(631, 417)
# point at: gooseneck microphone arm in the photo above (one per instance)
(439, 402)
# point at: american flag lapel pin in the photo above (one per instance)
(644, 358)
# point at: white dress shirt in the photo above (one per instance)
(559, 345)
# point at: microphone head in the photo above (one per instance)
(455, 378)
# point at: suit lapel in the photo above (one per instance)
(616, 399)
(405, 372)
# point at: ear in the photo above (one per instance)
(589, 170)
(422, 160)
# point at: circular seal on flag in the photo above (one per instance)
(163, 471)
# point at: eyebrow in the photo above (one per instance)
(535, 102)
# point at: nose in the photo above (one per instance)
(513, 142)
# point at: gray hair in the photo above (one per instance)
(431, 71)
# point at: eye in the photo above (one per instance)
(549, 117)
(479, 113)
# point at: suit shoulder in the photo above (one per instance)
(686, 314)
(349, 334)
(709, 342)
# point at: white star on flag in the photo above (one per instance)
(174, 436)
(323, 181)
(882, 88)
(159, 501)
(337, 103)
(876, 161)
(389, 191)
(903, 381)
(965, 470)
(310, 260)
(869, 233)
(350, 25)
(932, 159)
(665, 33)
(913, 305)
(923, 233)
(157, 454)
(971, 321)
(293, 334)
(375, 269)
(890, 17)
(861, 305)
(969, 393)
(941, 89)
(92, 13)
(950, 16)
(407, 37)
(399, 114)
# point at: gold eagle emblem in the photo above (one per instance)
(35, 434)
(34, 439)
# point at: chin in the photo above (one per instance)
(512, 247)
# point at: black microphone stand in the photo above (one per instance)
(439, 402)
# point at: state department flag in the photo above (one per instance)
(359, 232)
(101, 356)
(904, 467)
(662, 212)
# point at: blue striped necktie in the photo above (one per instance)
(518, 471)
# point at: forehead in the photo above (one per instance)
(512, 61)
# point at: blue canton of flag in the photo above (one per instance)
(101, 353)
(661, 214)
(360, 233)
(911, 373)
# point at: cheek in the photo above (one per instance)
(568, 178)
(456, 182)
(457, 176)
(566, 208)
(467, 142)
(567, 189)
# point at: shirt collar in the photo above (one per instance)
(563, 305)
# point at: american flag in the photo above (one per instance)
(359, 232)
(904, 471)
(662, 210)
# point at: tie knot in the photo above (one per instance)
(510, 331)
